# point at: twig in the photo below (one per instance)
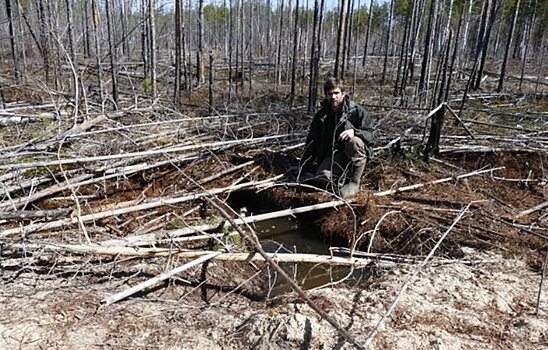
(137, 154)
(447, 179)
(533, 209)
(153, 281)
(541, 282)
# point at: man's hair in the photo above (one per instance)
(333, 83)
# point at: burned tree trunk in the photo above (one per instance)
(112, 53)
(387, 44)
(315, 56)
(178, 51)
(294, 61)
(16, 74)
(340, 37)
(508, 44)
(367, 32)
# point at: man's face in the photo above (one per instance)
(334, 98)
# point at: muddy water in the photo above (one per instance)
(291, 235)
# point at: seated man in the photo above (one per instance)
(340, 137)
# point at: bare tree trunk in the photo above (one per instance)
(200, 77)
(250, 74)
(210, 83)
(527, 36)
(186, 68)
(23, 35)
(388, 38)
(355, 68)
(279, 50)
(295, 58)
(463, 57)
(231, 45)
(95, 17)
(44, 38)
(69, 4)
(112, 54)
(485, 43)
(346, 37)
(508, 44)
(340, 37)
(423, 80)
(367, 32)
(16, 73)
(178, 49)
(454, 57)
(314, 58)
(144, 40)
(87, 30)
(152, 46)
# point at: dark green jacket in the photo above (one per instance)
(327, 125)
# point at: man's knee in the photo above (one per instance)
(355, 149)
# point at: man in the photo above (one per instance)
(339, 140)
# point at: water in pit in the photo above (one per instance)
(290, 235)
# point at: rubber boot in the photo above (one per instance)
(353, 185)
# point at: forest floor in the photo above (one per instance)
(455, 246)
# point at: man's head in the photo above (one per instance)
(334, 92)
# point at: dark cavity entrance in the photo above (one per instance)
(297, 235)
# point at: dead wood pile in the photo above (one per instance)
(110, 190)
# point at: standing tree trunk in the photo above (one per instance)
(398, 90)
(423, 80)
(388, 38)
(69, 4)
(367, 32)
(295, 58)
(340, 37)
(200, 77)
(230, 47)
(152, 46)
(485, 43)
(314, 58)
(454, 57)
(527, 37)
(112, 54)
(16, 74)
(250, 74)
(144, 41)
(463, 57)
(279, 50)
(355, 68)
(96, 41)
(178, 51)
(87, 30)
(347, 36)
(44, 38)
(507, 48)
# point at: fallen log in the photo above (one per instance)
(153, 281)
(35, 214)
(153, 203)
(167, 236)
(182, 254)
(137, 154)
(447, 179)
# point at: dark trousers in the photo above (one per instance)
(335, 164)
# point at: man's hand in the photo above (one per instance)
(346, 135)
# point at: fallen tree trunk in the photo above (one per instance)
(167, 236)
(153, 203)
